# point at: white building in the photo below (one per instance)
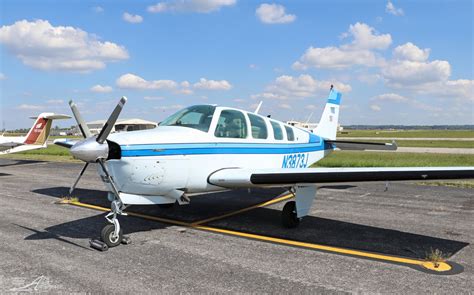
(122, 125)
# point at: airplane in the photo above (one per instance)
(208, 148)
(36, 137)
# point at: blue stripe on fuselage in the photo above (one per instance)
(143, 150)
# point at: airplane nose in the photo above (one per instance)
(89, 150)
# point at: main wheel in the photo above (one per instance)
(108, 237)
(166, 206)
(289, 218)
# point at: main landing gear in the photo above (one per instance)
(294, 211)
(289, 218)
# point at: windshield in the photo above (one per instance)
(197, 117)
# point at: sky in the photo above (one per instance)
(396, 62)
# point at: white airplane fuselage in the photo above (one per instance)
(162, 164)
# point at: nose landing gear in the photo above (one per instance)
(111, 234)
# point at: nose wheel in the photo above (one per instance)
(109, 237)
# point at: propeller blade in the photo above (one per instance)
(78, 177)
(104, 133)
(82, 125)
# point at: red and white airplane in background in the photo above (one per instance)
(36, 137)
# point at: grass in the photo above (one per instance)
(52, 149)
(408, 133)
(436, 256)
(431, 143)
(387, 159)
(450, 183)
(52, 153)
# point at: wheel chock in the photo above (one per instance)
(98, 245)
(126, 240)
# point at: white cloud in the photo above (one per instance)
(390, 97)
(153, 98)
(461, 90)
(212, 84)
(411, 52)
(284, 106)
(199, 6)
(253, 66)
(131, 81)
(390, 8)
(55, 101)
(97, 9)
(29, 107)
(359, 52)
(58, 48)
(132, 18)
(403, 73)
(398, 99)
(365, 37)
(2, 76)
(274, 14)
(101, 89)
(375, 108)
(169, 107)
(289, 87)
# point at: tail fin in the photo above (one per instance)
(39, 133)
(327, 127)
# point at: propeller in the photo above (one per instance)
(80, 122)
(94, 149)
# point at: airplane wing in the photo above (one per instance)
(22, 148)
(360, 145)
(237, 177)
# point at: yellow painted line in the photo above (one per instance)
(440, 266)
(264, 204)
(315, 246)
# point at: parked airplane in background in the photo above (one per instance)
(36, 137)
(208, 148)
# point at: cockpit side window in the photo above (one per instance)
(197, 117)
(231, 124)
(259, 128)
(289, 133)
(277, 132)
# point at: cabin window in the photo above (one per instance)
(277, 132)
(197, 117)
(231, 124)
(289, 133)
(259, 128)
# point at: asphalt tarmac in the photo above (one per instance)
(44, 247)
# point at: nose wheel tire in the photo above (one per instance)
(289, 218)
(108, 236)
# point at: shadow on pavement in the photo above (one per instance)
(262, 221)
(11, 162)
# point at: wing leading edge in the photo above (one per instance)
(236, 177)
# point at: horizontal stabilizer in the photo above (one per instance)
(360, 146)
(52, 116)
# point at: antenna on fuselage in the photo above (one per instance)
(258, 107)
